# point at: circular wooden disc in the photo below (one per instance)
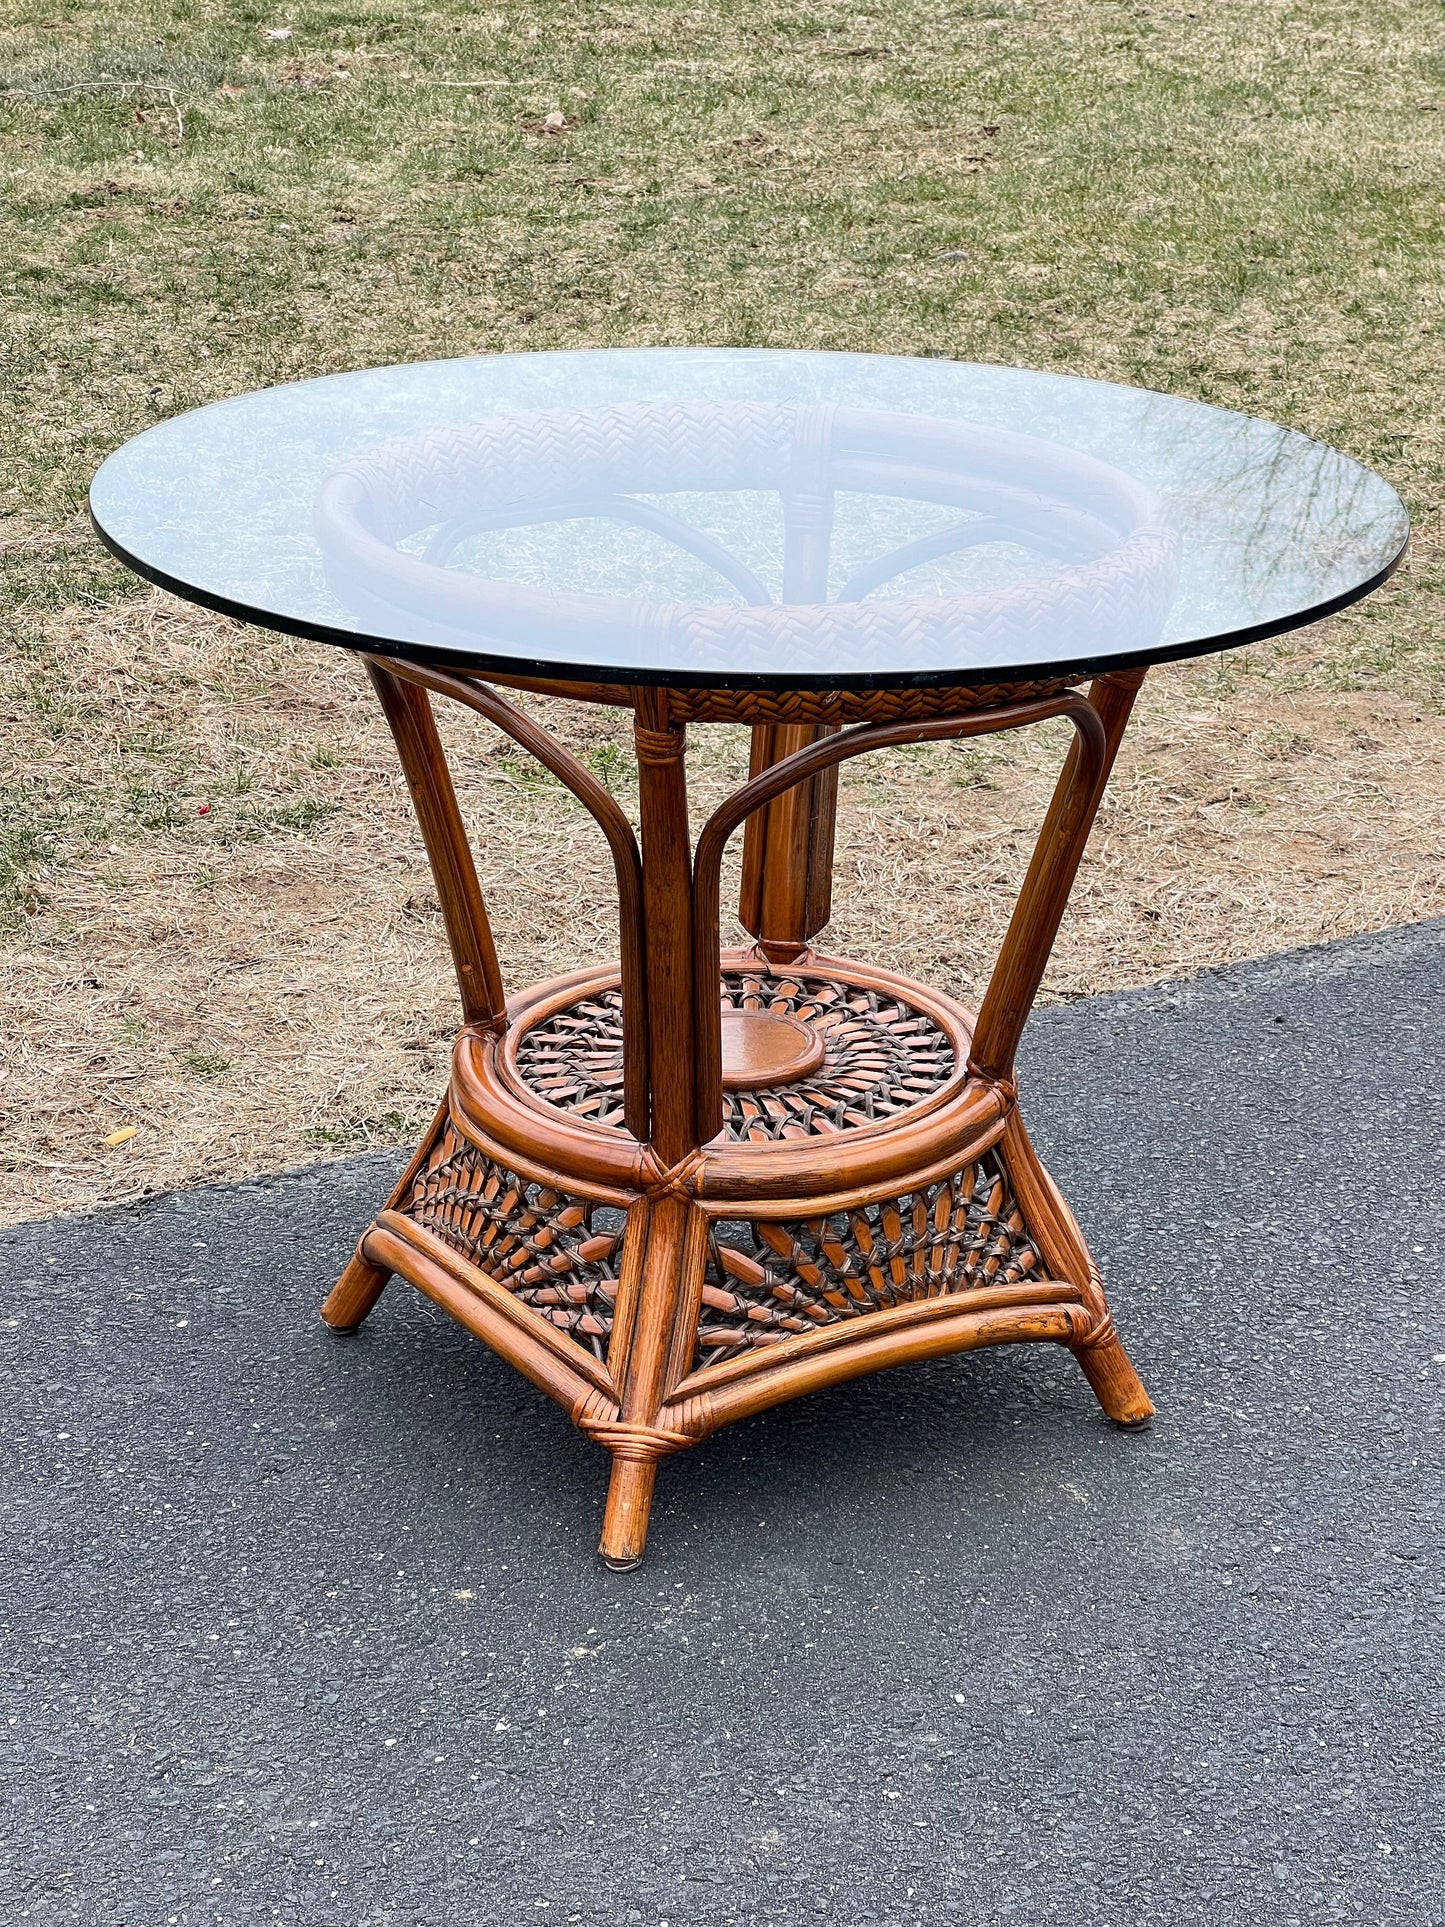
(762, 1049)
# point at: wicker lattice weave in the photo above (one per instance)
(558, 1254)
(768, 1281)
(849, 705)
(882, 1057)
(546, 454)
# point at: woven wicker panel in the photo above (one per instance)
(574, 1059)
(848, 705)
(767, 1281)
(881, 1058)
(558, 1254)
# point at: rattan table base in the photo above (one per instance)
(830, 1175)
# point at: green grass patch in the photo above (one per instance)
(204, 1063)
(346, 1133)
(25, 843)
(1242, 203)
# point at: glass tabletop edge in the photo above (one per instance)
(551, 670)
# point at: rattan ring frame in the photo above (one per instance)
(1114, 572)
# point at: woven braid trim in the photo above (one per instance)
(544, 453)
(1104, 607)
(849, 705)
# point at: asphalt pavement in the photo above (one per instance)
(308, 1629)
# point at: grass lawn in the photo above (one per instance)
(1242, 202)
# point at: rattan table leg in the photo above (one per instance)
(1022, 960)
(667, 911)
(353, 1297)
(1113, 1380)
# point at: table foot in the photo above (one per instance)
(353, 1297)
(629, 1507)
(1114, 1381)
(1101, 1355)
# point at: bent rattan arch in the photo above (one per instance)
(796, 769)
(608, 814)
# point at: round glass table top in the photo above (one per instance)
(747, 518)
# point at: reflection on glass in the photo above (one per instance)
(419, 536)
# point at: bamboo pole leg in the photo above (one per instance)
(464, 912)
(667, 1308)
(1055, 1230)
(353, 1297)
(1039, 908)
(1115, 1383)
(629, 1507)
(671, 1232)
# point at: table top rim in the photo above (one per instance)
(481, 662)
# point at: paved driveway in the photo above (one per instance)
(309, 1629)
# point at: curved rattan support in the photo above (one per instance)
(1039, 907)
(1048, 1314)
(611, 819)
(459, 895)
(931, 548)
(1085, 770)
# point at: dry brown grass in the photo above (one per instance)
(268, 982)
